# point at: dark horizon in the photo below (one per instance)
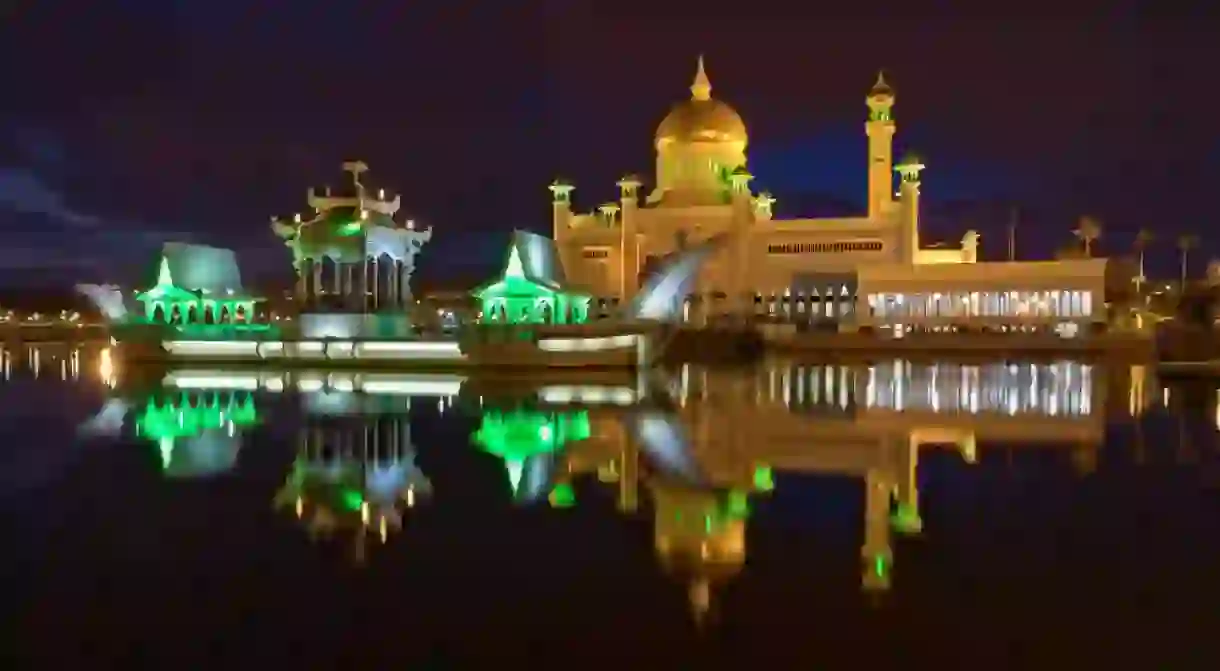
(199, 121)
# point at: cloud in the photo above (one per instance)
(23, 191)
(39, 147)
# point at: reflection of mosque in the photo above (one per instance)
(870, 423)
(698, 462)
(355, 472)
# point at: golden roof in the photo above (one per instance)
(702, 118)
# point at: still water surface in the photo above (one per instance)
(802, 516)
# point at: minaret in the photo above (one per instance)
(880, 131)
(629, 245)
(738, 248)
(908, 170)
(561, 206)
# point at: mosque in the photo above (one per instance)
(856, 271)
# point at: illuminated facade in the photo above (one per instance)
(352, 260)
(870, 269)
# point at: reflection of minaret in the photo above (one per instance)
(907, 519)
(877, 553)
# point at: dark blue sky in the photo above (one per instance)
(125, 123)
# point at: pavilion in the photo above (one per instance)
(196, 284)
(532, 288)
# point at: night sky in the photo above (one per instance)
(126, 123)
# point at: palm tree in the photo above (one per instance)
(1185, 244)
(1142, 240)
(1088, 230)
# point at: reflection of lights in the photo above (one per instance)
(1165, 397)
(590, 395)
(105, 367)
(391, 385)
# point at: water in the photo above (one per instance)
(813, 517)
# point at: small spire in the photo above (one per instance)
(882, 87)
(701, 89)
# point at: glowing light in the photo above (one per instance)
(514, 269)
(105, 368)
(587, 344)
(587, 395)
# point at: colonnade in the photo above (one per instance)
(369, 439)
(371, 284)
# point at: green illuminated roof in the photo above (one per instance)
(531, 259)
(212, 270)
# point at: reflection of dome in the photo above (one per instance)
(702, 119)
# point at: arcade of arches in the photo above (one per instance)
(200, 311)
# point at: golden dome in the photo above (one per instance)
(702, 118)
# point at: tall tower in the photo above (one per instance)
(908, 170)
(561, 206)
(880, 131)
(629, 244)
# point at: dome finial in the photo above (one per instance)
(702, 88)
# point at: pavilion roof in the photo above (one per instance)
(197, 268)
(534, 259)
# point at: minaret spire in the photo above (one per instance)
(701, 89)
(882, 88)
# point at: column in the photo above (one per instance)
(404, 288)
(392, 281)
(376, 288)
(377, 440)
(316, 291)
(301, 283)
